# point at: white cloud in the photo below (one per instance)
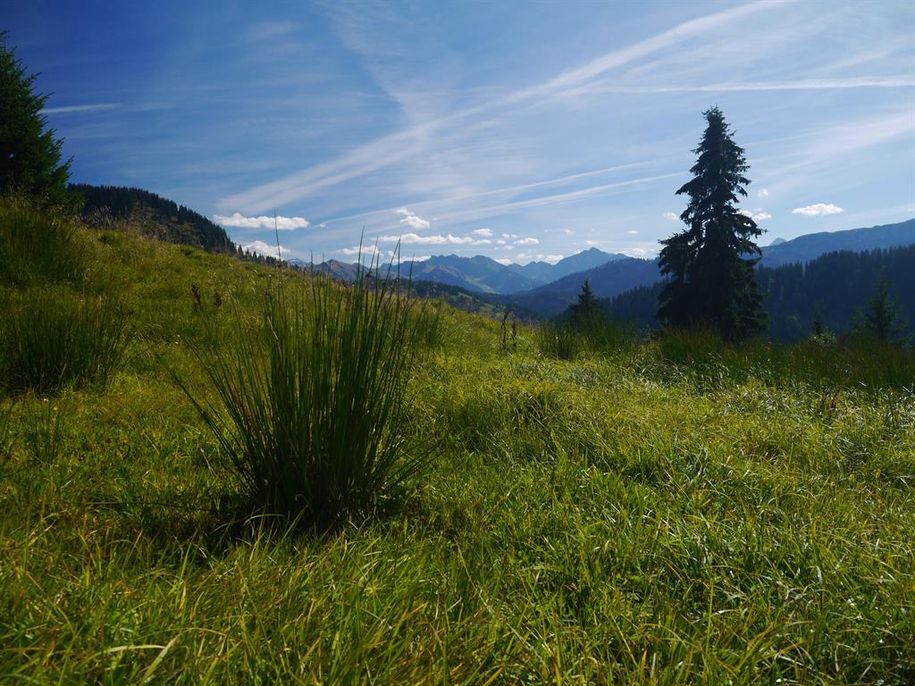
(525, 257)
(763, 193)
(527, 241)
(568, 232)
(265, 249)
(239, 221)
(640, 253)
(756, 216)
(100, 107)
(412, 220)
(364, 250)
(504, 260)
(671, 216)
(632, 232)
(818, 209)
(485, 233)
(500, 242)
(449, 239)
(509, 235)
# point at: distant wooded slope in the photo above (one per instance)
(148, 214)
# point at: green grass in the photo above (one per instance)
(51, 337)
(660, 513)
(36, 249)
(311, 404)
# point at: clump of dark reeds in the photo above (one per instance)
(52, 337)
(309, 410)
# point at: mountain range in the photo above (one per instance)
(546, 290)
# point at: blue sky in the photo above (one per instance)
(519, 130)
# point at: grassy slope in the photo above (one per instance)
(612, 519)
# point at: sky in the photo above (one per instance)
(519, 130)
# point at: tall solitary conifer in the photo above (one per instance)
(29, 155)
(711, 284)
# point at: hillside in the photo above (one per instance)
(606, 281)
(674, 511)
(812, 245)
(544, 272)
(833, 287)
(147, 214)
(619, 276)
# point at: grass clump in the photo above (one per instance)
(52, 337)
(36, 248)
(559, 340)
(310, 410)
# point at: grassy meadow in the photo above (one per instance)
(597, 510)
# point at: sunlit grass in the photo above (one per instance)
(310, 408)
(670, 512)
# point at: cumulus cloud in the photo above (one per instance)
(364, 250)
(485, 233)
(818, 209)
(265, 249)
(671, 216)
(763, 193)
(509, 235)
(412, 220)
(756, 216)
(527, 241)
(239, 221)
(525, 257)
(448, 239)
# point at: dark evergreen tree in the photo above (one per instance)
(588, 308)
(710, 280)
(30, 163)
(881, 320)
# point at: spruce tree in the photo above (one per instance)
(29, 154)
(880, 318)
(711, 282)
(588, 308)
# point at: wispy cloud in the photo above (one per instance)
(485, 233)
(530, 240)
(405, 143)
(818, 209)
(237, 220)
(763, 86)
(99, 107)
(671, 216)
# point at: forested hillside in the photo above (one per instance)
(150, 215)
(832, 288)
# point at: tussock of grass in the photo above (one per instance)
(310, 408)
(35, 248)
(51, 337)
